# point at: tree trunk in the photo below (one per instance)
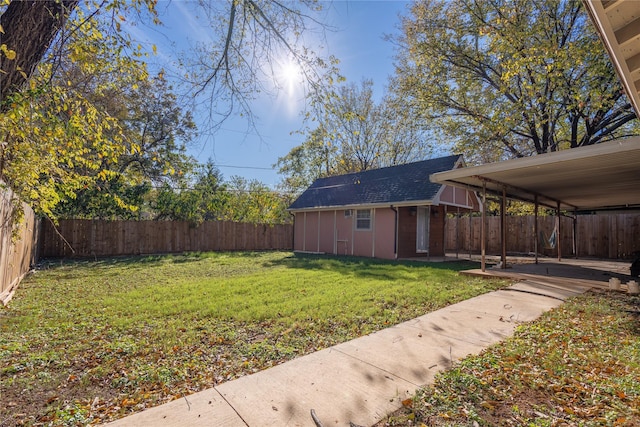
(30, 27)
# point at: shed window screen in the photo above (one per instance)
(422, 231)
(363, 219)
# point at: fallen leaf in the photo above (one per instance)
(487, 405)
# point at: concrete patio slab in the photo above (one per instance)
(508, 305)
(338, 387)
(409, 353)
(476, 328)
(206, 408)
(554, 291)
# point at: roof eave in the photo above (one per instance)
(528, 179)
(605, 29)
(398, 204)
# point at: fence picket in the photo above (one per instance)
(597, 236)
(19, 253)
(91, 238)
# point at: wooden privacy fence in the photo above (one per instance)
(96, 238)
(18, 243)
(598, 236)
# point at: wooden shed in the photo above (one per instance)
(393, 212)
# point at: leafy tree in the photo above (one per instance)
(314, 158)
(59, 131)
(157, 132)
(159, 129)
(206, 197)
(203, 199)
(252, 201)
(509, 78)
(113, 198)
(354, 133)
(56, 139)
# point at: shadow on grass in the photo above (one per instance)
(627, 303)
(347, 265)
(568, 271)
(364, 267)
(106, 262)
(135, 261)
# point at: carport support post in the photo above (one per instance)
(503, 228)
(483, 266)
(457, 233)
(558, 237)
(575, 234)
(535, 227)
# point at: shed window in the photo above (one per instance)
(363, 219)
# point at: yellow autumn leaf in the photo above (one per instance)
(9, 53)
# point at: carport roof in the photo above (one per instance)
(618, 23)
(599, 177)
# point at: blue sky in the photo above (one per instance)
(357, 42)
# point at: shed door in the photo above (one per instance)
(422, 232)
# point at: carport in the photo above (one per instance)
(602, 177)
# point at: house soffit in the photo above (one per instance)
(618, 24)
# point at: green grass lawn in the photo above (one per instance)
(578, 365)
(87, 342)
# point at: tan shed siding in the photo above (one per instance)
(460, 197)
(385, 233)
(311, 232)
(298, 233)
(363, 239)
(344, 232)
(326, 232)
(447, 195)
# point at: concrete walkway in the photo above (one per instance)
(363, 380)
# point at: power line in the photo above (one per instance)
(259, 135)
(244, 167)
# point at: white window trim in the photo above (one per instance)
(357, 219)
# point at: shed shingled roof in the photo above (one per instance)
(394, 184)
